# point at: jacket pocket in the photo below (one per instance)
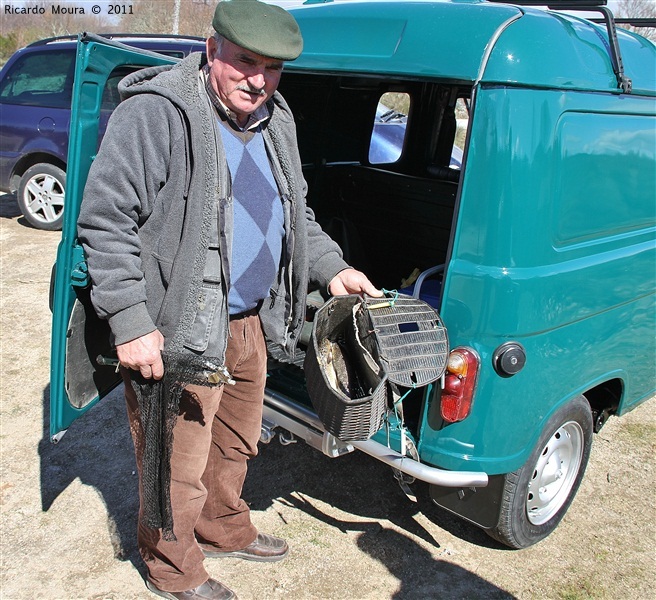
(165, 267)
(207, 309)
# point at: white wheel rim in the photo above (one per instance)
(554, 473)
(44, 198)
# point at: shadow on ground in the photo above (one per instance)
(9, 206)
(361, 486)
(9, 209)
(98, 450)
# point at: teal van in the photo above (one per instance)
(518, 198)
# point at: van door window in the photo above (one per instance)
(389, 130)
(111, 97)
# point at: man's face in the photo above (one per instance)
(242, 79)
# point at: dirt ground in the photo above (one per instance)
(68, 511)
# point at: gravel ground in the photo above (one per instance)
(68, 512)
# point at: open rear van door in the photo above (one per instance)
(82, 367)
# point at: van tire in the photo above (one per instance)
(41, 196)
(536, 496)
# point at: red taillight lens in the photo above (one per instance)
(459, 383)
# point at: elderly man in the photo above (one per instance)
(201, 250)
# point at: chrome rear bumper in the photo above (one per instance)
(280, 411)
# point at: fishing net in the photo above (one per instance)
(159, 406)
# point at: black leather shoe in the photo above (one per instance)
(210, 590)
(265, 548)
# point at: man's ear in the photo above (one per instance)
(211, 48)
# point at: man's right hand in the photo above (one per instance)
(143, 354)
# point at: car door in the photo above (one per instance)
(82, 369)
(35, 105)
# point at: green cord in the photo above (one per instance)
(395, 404)
(395, 293)
(402, 398)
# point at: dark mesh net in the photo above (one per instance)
(159, 405)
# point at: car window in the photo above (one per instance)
(40, 79)
(388, 134)
(173, 53)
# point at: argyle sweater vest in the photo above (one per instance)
(258, 227)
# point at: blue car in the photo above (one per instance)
(35, 103)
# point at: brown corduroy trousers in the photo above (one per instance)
(216, 432)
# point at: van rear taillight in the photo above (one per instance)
(459, 383)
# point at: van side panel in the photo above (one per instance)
(554, 247)
(617, 152)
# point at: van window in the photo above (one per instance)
(40, 79)
(462, 124)
(111, 97)
(389, 131)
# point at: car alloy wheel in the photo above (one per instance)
(41, 196)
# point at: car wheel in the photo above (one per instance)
(537, 496)
(41, 196)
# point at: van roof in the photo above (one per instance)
(469, 40)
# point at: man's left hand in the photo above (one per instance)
(350, 281)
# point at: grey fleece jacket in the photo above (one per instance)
(154, 191)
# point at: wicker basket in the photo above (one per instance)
(359, 345)
(347, 387)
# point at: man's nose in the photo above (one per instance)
(256, 80)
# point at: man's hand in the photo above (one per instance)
(143, 354)
(350, 281)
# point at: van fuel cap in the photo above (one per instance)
(509, 359)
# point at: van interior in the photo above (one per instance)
(389, 218)
(392, 219)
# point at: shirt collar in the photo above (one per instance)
(256, 118)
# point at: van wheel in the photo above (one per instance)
(41, 196)
(537, 496)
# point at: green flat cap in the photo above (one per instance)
(262, 28)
